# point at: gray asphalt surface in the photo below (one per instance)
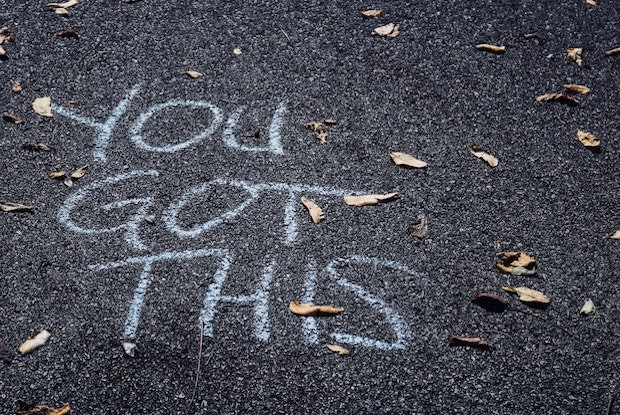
(427, 92)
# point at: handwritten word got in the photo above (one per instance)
(105, 129)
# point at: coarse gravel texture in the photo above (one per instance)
(427, 92)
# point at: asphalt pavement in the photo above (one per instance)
(165, 272)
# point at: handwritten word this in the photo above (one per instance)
(105, 129)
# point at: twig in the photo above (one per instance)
(289, 39)
(202, 330)
(610, 404)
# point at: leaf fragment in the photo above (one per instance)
(529, 296)
(558, 97)
(303, 309)
(388, 30)
(612, 52)
(2, 52)
(491, 48)
(43, 106)
(68, 181)
(369, 200)
(25, 409)
(318, 129)
(330, 121)
(588, 139)
(490, 302)
(576, 89)
(483, 154)
(576, 55)
(516, 263)
(67, 33)
(5, 37)
(614, 235)
(237, 51)
(338, 349)
(16, 87)
(12, 118)
(129, 348)
(192, 74)
(37, 146)
(407, 160)
(372, 12)
(316, 213)
(34, 343)
(61, 12)
(419, 229)
(57, 175)
(587, 308)
(79, 173)
(476, 342)
(591, 2)
(14, 207)
(65, 5)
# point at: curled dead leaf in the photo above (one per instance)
(14, 207)
(34, 343)
(483, 154)
(576, 55)
(24, 409)
(372, 13)
(37, 146)
(490, 302)
(369, 200)
(318, 129)
(388, 30)
(491, 48)
(419, 229)
(614, 235)
(588, 139)
(587, 308)
(612, 52)
(79, 173)
(302, 309)
(192, 74)
(407, 160)
(316, 213)
(16, 87)
(67, 33)
(558, 97)
(576, 89)
(516, 263)
(529, 296)
(468, 341)
(338, 349)
(12, 118)
(65, 5)
(43, 106)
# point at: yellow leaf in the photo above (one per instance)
(588, 139)
(34, 343)
(576, 55)
(527, 295)
(491, 48)
(64, 5)
(43, 106)
(372, 12)
(192, 74)
(404, 159)
(389, 30)
(612, 52)
(338, 349)
(483, 154)
(302, 309)
(576, 88)
(368, 200)
(316, 213)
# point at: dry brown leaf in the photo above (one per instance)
(43, 106)
(25, 409)
(16, 87)
(388, 30)
(34, 343)
(79, 173)
(64, 5)
(329, 121)
(529, 296)
(468, 341)
(369, 200)
(67, 33)
(404, 159)
(37, 146)
(419, 229)
(316, 213)
(577, 89)
(516, 263)
(491, 48)
(587, 308)
(490, 302)
(338, 349)
(372, 13)
(192, 74)
(576, 55)
(483, 154)
(588, 139)
(614, 234)
(14, 207)
(5, 37)
(612, 52)
(318, 129)
(2, 52)
(68, 181)
(302, 309)
(558, 97)
(591, 2)
(57, 175)
(61, 12)
(12, 118)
